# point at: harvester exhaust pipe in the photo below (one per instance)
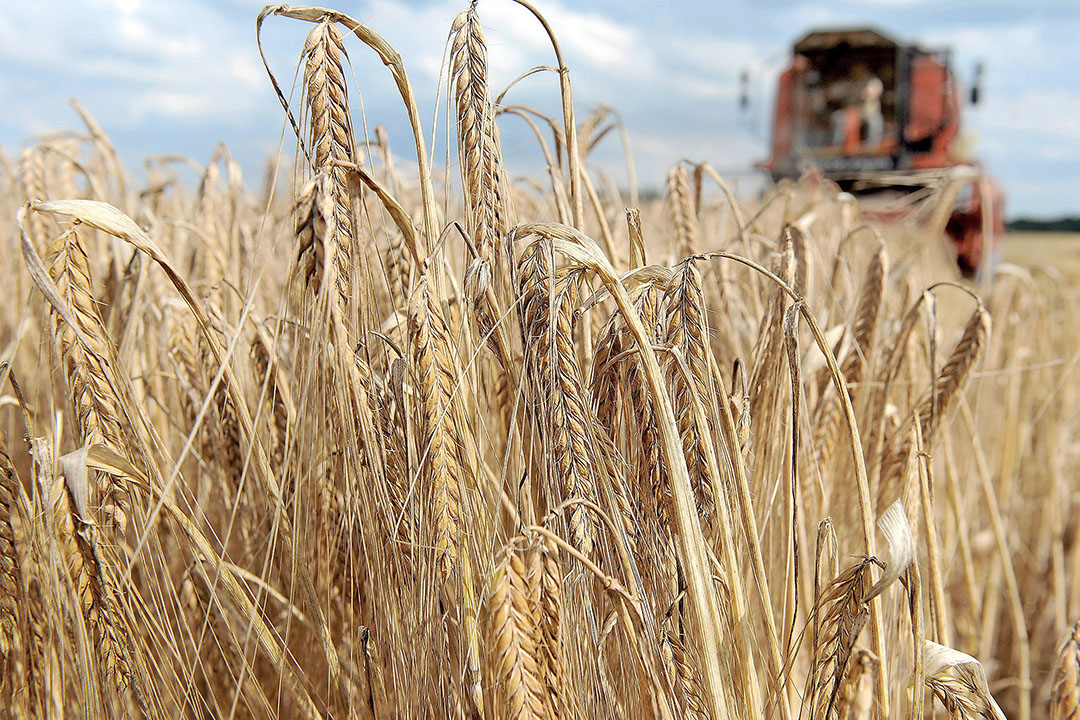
(976, 83)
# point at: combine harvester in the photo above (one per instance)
(882, 120)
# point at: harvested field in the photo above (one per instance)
(371, 446)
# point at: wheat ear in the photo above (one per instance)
(278, 397)
(481, 164)
(548, 594)
(686, 673)
(959, 682)
(855, 698)
(512, 641)
(436, 380)
(12, 659)
(687, 331)
(680, 206)
(565, 417)
(331, 138)
(936, 403)
(84, 565)
(656, 486)
(32, 178)
(89, 360)
(956, 372)
(843, 613)
(1065, 695)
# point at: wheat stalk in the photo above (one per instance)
(496, 477)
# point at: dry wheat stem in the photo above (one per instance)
(497, 462)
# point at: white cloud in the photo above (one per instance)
(1054, 113)
(592, 45)
(172, 104)
(130, 60)
(159, 67)
(601, 43)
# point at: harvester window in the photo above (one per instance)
(848, 100)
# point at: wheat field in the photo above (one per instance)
(383, 439)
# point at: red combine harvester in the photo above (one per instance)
(882, 119)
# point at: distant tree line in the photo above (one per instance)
(1064, 224)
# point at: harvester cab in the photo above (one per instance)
(882, 119)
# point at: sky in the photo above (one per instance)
(178, 76)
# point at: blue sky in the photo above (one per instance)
(179, 76)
